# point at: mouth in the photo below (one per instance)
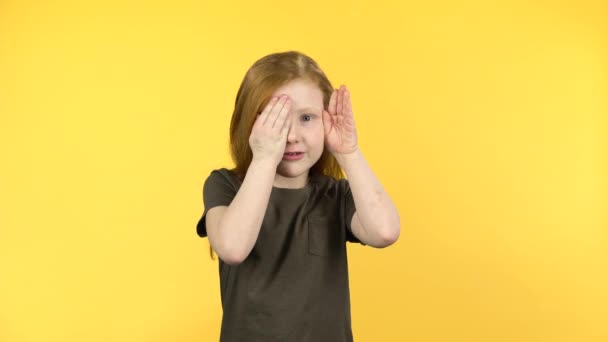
(292, 155)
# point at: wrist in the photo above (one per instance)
(345, 159)
(264, 165)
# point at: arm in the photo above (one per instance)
(233, 230)
(376, 221)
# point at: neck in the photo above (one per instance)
(290, 182)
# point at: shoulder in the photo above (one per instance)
(223, 177)
(224, 174)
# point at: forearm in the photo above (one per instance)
(377, 213)
(240, 225)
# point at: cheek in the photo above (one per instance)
(315, 134)
(320, 136)
(317, 129)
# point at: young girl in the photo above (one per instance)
(279, 220)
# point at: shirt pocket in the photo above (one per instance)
(323, 235)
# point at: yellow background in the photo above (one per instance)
(487, 123)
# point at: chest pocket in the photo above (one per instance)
(324, 235)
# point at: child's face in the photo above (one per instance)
(306, 134)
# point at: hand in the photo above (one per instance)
(269, 133)
(339, 123)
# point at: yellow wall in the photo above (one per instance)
(486, 122)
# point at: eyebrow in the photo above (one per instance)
(309, 109)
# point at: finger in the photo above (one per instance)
(348, 110)
(276, 110)
(282, 115)
(264, 115)
(285, 129)
(339, 104)
(332, 103)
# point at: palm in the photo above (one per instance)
(339, 123)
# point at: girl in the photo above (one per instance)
(279, 220)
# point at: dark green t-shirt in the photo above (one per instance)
(293, 286)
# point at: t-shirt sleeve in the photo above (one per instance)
(349, 212)
(218, 190)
